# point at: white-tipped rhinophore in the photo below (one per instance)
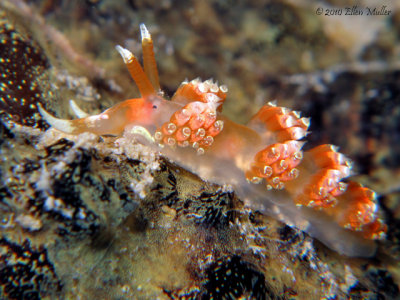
(144, 32)
(77, 110)
(127, 55)
(59, 124)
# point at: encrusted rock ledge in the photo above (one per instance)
(84, 216)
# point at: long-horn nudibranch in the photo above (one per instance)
(263, 161)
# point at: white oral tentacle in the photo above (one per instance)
(77, 110)
(59, 124)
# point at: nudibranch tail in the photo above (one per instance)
(350, 205)
(313, 179)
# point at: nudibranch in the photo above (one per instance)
(263, 161)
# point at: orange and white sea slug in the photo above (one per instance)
(263, 161)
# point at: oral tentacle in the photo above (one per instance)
(67, 126)
(77, 110)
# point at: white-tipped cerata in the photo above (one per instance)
(59, 124)
(77, 110)
(144, 32)
(127, 55)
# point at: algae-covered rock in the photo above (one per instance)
(111, 216)
(22, 65)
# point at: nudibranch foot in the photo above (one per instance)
(302, 188)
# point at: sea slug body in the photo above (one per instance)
(263, 161)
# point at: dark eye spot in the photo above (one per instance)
(154, 106)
